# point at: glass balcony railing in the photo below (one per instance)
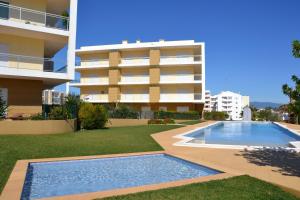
(33, 17)
(32, 63)
(197, 96)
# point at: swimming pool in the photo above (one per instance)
(241, 134)
(49, 179)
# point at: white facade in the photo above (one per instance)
(228, 102)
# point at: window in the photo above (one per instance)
(182, 108)
(4, 11)
(3, 57)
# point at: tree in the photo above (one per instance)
(92, 116)
(294, 96)
(296, 49)
(3, 108)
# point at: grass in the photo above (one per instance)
(191, 122)
(241, 187)
(104, 141)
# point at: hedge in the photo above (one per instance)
(214, 115)
(176, 115)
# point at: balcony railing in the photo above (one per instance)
(180, 59)
(32, 63)
(134, 97)
(197, 96)
(135, 61)
(33, 17)
(197, 77)
(93, 63)
(96, 98)
(135, 79)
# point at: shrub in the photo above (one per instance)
(58, 113)
(161, 121)
(124, 112)
(169, 121)
(155, 121)
(92, 116)
(38, 116)
(176, 115)
(214, 115)
(3, 108)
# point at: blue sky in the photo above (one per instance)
(248, 42)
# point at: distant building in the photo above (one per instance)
(230, 103)
(245, 101)
(51, 97)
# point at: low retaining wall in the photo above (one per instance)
(36, 126)
(126, 122)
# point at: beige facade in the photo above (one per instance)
(21, 100)
(148, 76)
(31, 34)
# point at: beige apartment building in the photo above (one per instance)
(32, 32)
(163, 75)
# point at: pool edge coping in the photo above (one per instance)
(14, 186)
(185, 139)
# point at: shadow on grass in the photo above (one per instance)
(287, 162)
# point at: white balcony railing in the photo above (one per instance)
(135, 79)
(32, 63)
(134, 97)
(33, 17)
(135, 61)
(96, 98)
(93, 63)
(176, 97)
(180, 59)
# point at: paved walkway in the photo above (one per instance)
(278, 167)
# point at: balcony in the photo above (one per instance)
(33, 17)
(134, 80)
(13, 61)
(126, 97)
(92, 63)
(135, 61)
(180, 59)
(90, 81)
(197, 96)
(180, 78)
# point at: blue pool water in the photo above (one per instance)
(50, 179)
(244, 133)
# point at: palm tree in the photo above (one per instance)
(287, 91)
(296, 49)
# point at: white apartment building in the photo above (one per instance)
(32, 32)
(231, 103)
(162, 75)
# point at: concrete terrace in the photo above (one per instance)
(275, 166)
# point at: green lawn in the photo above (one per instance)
(236, 188)
(126, 140)
(105, 141)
